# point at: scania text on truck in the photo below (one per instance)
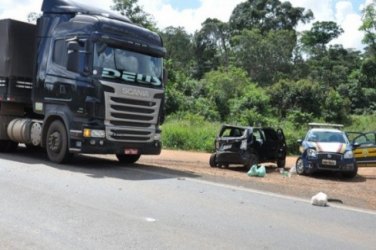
(83, 80)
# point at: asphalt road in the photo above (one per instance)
(98, 204)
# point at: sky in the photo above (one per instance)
(191, 13)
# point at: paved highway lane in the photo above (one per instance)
(97, 204)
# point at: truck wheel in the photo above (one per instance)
(127, 159)
(57, 143)
(300, 166)
(212, 161)
(7, 146)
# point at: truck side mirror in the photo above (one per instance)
(355, 145)
(299, 141)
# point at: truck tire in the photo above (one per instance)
(127, 159)
(57, 143)
(300, 166)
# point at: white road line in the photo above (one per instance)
(254, 191)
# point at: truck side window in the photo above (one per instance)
(60, 53)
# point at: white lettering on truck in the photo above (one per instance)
(131, 77)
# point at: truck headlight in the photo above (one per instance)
(349, 154)
(312, 153)
(157, 137)
(94, 133)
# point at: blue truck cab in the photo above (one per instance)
(94, 84)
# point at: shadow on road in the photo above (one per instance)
(98, 167)
(335, 177)
(328, 176)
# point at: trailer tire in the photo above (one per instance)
(57, 143)
(127, 159)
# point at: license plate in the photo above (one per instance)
(226, 147)
(131, 151)
(329, 162)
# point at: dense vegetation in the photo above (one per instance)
(258, 69)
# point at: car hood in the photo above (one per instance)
(333, 147)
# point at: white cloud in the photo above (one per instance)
(341, 11)
(191, 19)
(350, 21)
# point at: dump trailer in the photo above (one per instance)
(82, 80)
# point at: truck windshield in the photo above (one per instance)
(129, 66)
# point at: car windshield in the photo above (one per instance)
(128, 65)
(326, 136)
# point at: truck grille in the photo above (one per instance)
(131, 117)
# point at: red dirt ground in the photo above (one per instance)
(357, 192)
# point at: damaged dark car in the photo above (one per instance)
(248, 146)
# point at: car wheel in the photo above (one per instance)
(57, 143)
(212, 161)
(300, 166)
(351, 174)
(127, 159)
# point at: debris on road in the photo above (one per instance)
(320, 199)
(257, 171)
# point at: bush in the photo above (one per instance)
(189, 132)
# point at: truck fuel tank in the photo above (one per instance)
(26, 131)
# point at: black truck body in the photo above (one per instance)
(82, 80)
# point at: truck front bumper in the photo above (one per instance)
(104, 146)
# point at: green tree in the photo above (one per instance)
(336, 108)
(321, 33)
(266, 57)
(252, 106)
(179, 49)
(212, 46)
(369, 27)
(223, 85)
(304, 95)
(334, 66)
(267, 15)
(368, 70)
(134, 12)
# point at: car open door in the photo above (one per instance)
(365, 152)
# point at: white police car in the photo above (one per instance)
(326, 148)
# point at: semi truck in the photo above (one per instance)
(82, 80)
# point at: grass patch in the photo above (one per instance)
(191, 133)
(194, 133)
